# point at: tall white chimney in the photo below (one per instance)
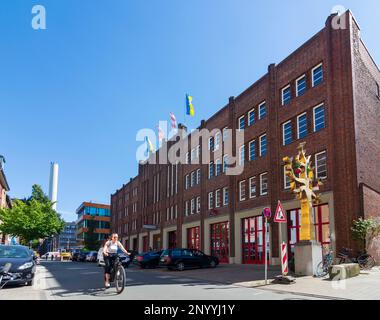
(53, 184)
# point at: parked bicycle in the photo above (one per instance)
(365, 260)
(324, 265)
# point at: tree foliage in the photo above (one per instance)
(32, 218)
(365, 230)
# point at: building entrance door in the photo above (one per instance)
(172, 240)
(145, 243)
(219, 241)
(193, 238)
(253, 229)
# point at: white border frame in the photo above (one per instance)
(297, 80)
(249, 187)
(216, 198)
(249, 149)
(264, 134)
(258, 110)
(316, 165)
(282, 94)
(240, 198)
(249, 113)
(283, 132)
(261, 184)
(322, 104)
(298, 124)
(285, 187)
(241, 117)
(312, 73)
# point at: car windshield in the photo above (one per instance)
(13, 252)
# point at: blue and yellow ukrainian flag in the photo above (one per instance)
(149, 146)
(189, 106)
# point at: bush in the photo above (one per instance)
(365, 230)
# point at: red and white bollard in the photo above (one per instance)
(284, 259)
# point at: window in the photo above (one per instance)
(225, 196)
(241, 155)
(302, 126)
(262, 110)
(225, 134)
(193, 178)
(263, 145)
(264, 184)
(187, 182)
(241, 124)
(225, 162)
(252, 150)
(286, 180)
(210, 200)
(211, 143)
(317, 75)
(211, 170)
(287, 136)
(301, 85)
(218, 199)
(251, 117)
(198, 204)
(198, 176)
(242, 190)
(187, 158)
(321, 165)
(218, 167)
(319, 118)
(286, 95)
(192, 157)
(252, 187)
(186, 208)
(192, 206)
(217, 141)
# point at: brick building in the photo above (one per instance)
(326, 93)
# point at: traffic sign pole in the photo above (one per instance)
(265, 251)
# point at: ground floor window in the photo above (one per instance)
(219, 241)
(193, 238)
(172, 239)
(253, 242)
(321, 216)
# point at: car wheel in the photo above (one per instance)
(212, 264)
(180, 266)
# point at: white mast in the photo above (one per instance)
(53, 185)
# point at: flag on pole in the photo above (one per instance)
(189, 106)
(149, 146)
(160, 134)
(173, 120)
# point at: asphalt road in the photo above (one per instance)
(77, 281)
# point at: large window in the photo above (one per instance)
(193, 238)
(286, 94)
(286, 180)
(193, 179)
(218, 167)
(217, 141)
(242, 190)
(302, 125)
(225, 162)
(192, 206)
(264, 184)
(198, 204)
(287, 136)
(225, 134)
(319, 117)
(218, 199)
(263, 145)
(187, 181)
(211, 170)
(321, 165)
(211, 143)
(262, 110)
(211, 200)
(301, 85)
(225, 196)
(251, 117)
(198, 176)
(241, 124)
(317, 75)
(241, 155)
(252, 150)
(252, 187)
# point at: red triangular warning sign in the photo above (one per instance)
(280, 215)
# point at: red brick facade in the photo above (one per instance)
(350, 138)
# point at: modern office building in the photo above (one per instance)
(326, 93)
(67, 239)
(93, 215)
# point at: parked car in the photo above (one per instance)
(181, 259)
(65, 256)
(125, 259)
(148, 259)
(75, 256)
(91, 256)
(82, 256)
(23, 266)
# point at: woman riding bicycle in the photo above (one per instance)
(110, 254)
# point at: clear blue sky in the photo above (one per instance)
(78, 92)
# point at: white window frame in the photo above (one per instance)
(192, 179)
(187, 158)
(198, 152)
(316, 165)
(187, 177)
(210, 165)
(283, 131)
(217, 162)
(261, 184)
(198, 205)
(241, 198)
(224, 157)
(298, 124)
(324, 112)
(192, 206)
(260, 138)
(260, 105)
(249, 116)
(209, 143)
(241, 117)
(198, 176)
(225, 189)
(249, 186)
(241, 159)
(282, 94)
(301, 77)
(285, 178)
(216, 141)
(217, 195)
(312, 73)
(210, 197)
(249, 149)
(192, 155)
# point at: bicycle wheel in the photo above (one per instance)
(120, 279)
(321, 270)
(366, 262)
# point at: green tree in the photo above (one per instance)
(32, 218)
(365, 230)
(91, 241)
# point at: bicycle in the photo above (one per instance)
(4, 273)
(324, 265)
(365, 260)
(118, 275)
